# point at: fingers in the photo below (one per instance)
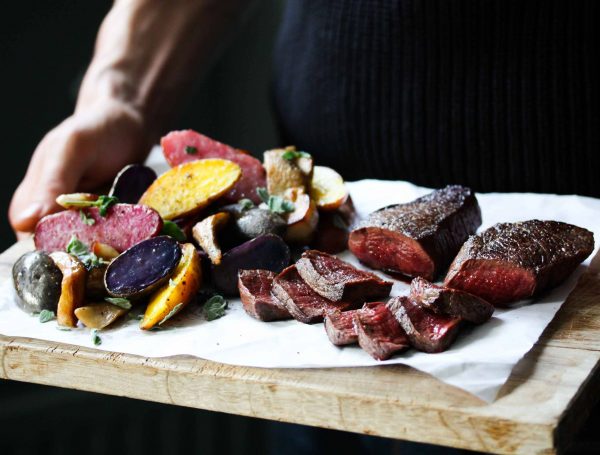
(54, 169)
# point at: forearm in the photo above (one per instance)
(148, 52)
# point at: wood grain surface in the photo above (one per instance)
(545, 400)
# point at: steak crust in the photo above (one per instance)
(340, 327)
(303, 303)
(426, 330)
(451, 302)
(338, 280)
(419, 238)
(255, 293)
(379, 332)
(514, 261)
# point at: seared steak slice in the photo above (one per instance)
(255, 293)
(300, 300)
(419, 238)
(379, 332)
(451, 302)
(513, 261)
(340, 327)
(426, 330)
(337, 280)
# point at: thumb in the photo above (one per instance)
(50, 174)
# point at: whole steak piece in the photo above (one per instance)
(339, 327)
(426, 330)
(451, 302)
(255, 293)
(379, 332)
(419, 238)
(303, 303)
(337, 280)
(513, 261)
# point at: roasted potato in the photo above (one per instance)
(131, 182)
(176, 294)
(327, 188)
(72, 287)
(205, 233)
(302, 222)
(99, 315)
(189, 187)
(286, 173)
(37, 281)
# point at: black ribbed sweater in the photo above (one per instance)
(496, 95)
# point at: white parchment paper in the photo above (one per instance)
(479, 361)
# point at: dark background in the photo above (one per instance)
(44, 49)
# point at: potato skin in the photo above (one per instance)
(72, 287)
(182, 288)
(37, 281)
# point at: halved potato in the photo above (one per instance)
(302, 222)
(187, 188)
(104, 251)
(99, 315)
(327, 188)
(73, 200)
(180, 290)
(283, 174)
(205, 233)
(72, 287)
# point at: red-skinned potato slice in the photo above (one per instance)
(72, 287)
(189, 187)
(188, 145)
(123, 226)
(327, 188)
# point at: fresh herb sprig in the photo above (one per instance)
(291, 155)
(246, 204)
(103, 203)
(214, 308)
(96, 338)
(86, 218)
(276, 204)
(191, 150)
(172, 230)
(46, 316)
(120, 302)
(80, 250)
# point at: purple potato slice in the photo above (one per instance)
(267, 252)
(131, 182)
(143, 267)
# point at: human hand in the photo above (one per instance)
(82, 153)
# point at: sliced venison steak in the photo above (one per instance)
(426, 330)
(339, 326)
(337, 280)
(255, 293)
(513, 261)
(451, 302)
(419, 238)
(304, 304)
(379, 332)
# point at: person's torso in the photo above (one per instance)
(497, 95)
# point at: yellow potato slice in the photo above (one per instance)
(72, 287)
(99, 315)
(180, 290)
(327, 188)
(187, 188)
(205, 233)
(302, 222)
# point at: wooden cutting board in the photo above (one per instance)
(546, 399)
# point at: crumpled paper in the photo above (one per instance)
(479, 361)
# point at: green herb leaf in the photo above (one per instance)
(293, 155)
(80, 250)
(86, 219)
(172, 313)
(104, 202)
(46, 315)
(96, 338)
(172, 230)
(63, 329)
(246, 204)
(214, 308)
(276, 204)
(263, 194)
(120, 302)
(190, 150)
